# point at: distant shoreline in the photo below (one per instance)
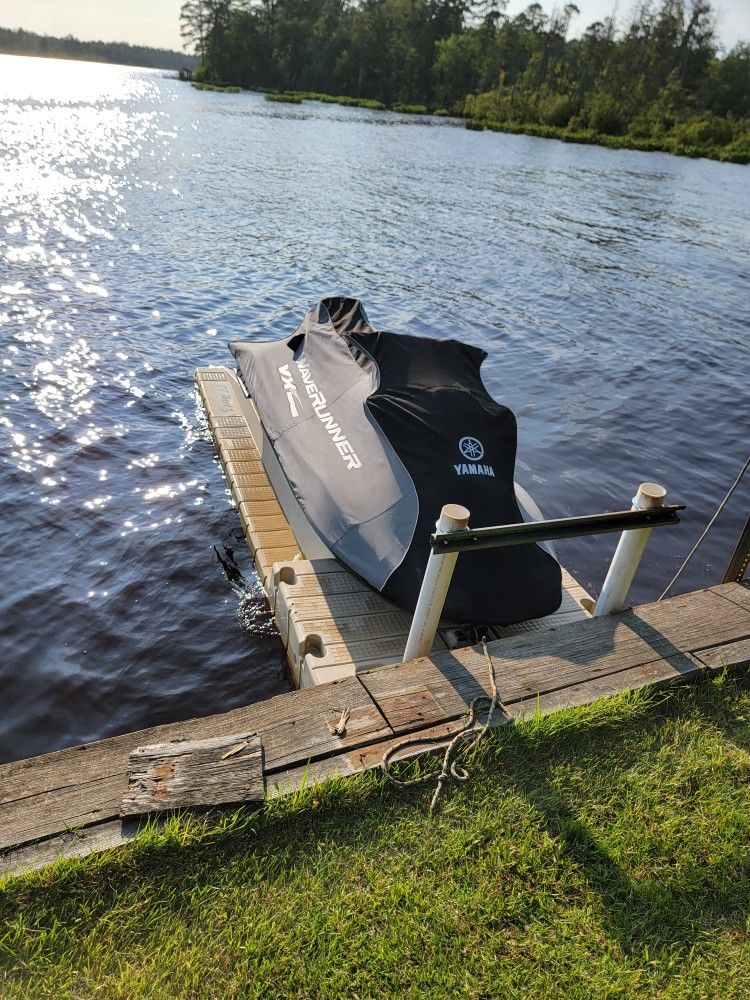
(93, 60)
(30, 45)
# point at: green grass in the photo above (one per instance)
(601, 853)
(220, 88)
(284, 98)
(735, 153)
(343, 99)
(297, 96)
(410, 109)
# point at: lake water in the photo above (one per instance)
(143, 224)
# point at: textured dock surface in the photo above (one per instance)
(331, 623)
(69, 802)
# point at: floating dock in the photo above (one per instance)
(331, 623)
(356, 700)
(72, 802)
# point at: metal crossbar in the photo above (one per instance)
(469, 539)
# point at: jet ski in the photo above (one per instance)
(374, 432)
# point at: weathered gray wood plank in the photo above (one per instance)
(75, 844)
(114, 833)
(732, 654)
(538, 663)
(412, 709)
(70, 788)
(697, 620)
(190, 773)
(737, 593)
(44, 796)
(353, 762)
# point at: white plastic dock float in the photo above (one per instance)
(331, 623)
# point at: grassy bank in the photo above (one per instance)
(220, 88)
(595, 853)
(675, 144)
(606, 122)
(284, 98)
(680, 142)
(297, 96)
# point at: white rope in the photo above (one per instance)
(451, 767)
(340, 728)
(710, 525)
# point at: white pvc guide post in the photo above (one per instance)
(435, 585)
(628, 554)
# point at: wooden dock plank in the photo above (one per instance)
(698, 620)
(70, 788)
(209, 772)
(731, 654)
(43, 797)
(542, 662)
(737, 593)
(72, 844)
(586, 691)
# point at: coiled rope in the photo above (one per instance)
(708, 527)
(454, 752)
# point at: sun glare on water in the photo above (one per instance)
(63, 81)
(68, 134)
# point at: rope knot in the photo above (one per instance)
(451, 767)
(340, 728)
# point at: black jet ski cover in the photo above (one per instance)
(375, 433)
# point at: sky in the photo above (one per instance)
(156, 22)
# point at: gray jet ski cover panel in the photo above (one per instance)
(375, 433)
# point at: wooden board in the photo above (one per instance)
(731, 654)
(82, 785)
(188, 773)
(738, 593)
(43, 798)
(585, 692)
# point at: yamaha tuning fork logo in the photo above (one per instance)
(472, 449)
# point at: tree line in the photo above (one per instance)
(660, 73)
(27, 43)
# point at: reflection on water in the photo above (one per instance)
(143, 224)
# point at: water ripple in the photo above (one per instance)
(143, 224)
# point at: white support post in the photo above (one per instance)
(435, 585)
(628, 554)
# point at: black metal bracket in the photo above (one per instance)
(740, 558)
(524, 533)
